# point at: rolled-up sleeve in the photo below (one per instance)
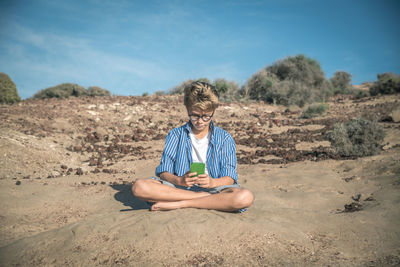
(228, 159)
(169, 155)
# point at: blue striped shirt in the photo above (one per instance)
(221, 153)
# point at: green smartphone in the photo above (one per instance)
(198, 167)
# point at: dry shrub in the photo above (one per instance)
(299, 68)
(296, 80)
(180, 88)
(358, 137)
(63, 90)
(341, 82)
(388, 83)
(358, 94)
(315, 110)
(228, 90)
(258, 87)
(98, 91)
(66, 90)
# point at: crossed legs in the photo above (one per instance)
(169, 198)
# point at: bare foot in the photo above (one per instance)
(166, 205)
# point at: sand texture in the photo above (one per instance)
(67, 167)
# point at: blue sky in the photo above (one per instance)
(133, 47)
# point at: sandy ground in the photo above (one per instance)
(67, 167)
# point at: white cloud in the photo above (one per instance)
(64, 58)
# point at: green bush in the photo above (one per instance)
(315, 110)
(341, 82)
(357, 137)
(295, 80)
(227, 90)
(358, 94)
(64, 90)
(179, 89)
(388, 83)
(159, 93)
(8, 90)
(258, 87)
(300, 69)
(289, 93)
(97, 91)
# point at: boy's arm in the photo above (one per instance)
(226, 180)
(172, 178)
(229, 160)
(169, 155)
(203, 180)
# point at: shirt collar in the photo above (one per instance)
(187, 129)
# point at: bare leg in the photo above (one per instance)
(230, 199)
(154, 191)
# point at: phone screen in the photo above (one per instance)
(198, 167)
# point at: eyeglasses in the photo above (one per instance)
(205, 118)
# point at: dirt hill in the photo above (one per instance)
(67, 167)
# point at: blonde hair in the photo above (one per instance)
(201, 95)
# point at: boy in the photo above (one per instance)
(199, 140)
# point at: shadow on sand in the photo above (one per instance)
(125, 196)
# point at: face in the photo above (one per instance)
(196, 114)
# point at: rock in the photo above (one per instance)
(370, 198)
(18, 182)
(93, 113)
(348, 179)
(92, 161)
(77, 149)
(79, 171)
(109, 171)
(396, 115)
(356, 197)
(55, 174)
(352, 207)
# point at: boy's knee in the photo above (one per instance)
(243, 199)
(139, 187)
